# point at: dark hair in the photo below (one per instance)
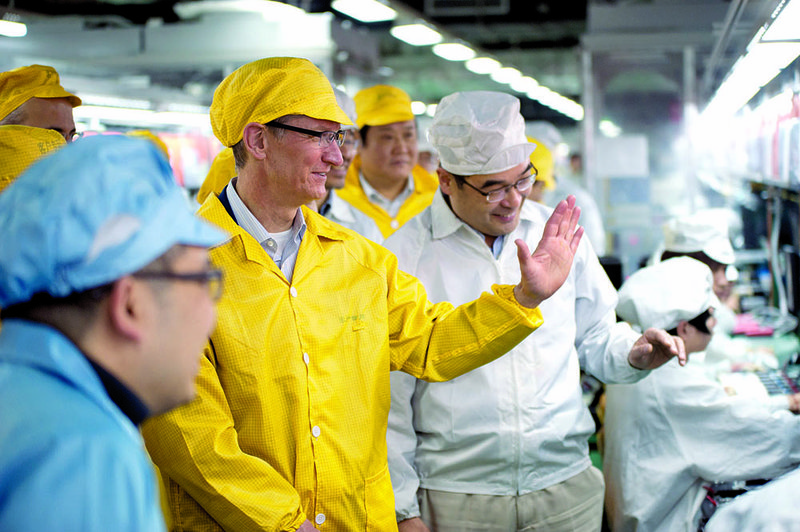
(363, 133)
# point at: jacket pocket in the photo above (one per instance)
(379, 502)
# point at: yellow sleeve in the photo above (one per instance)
(196, 445)
(438, 342)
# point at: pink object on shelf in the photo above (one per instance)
(746, 324)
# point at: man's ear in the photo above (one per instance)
(445, 180)
(254, 140)
(125, 308)
(684, 328)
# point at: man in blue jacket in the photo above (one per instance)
(107, 298)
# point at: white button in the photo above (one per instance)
(306, 358)
(316, 431)
(293, 291)
(320, 518)
(395, 224)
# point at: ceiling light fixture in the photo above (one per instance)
(365, 10)
(772, 49)
(416, 34)
(506, 75)
(453, 51)
(10, 26)
(483, 65)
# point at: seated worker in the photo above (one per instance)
(704, 236)
(288, 431)
(671, 434)
(769, 508)
(332, 206)
(466, 454)
(106, 307)
(33, 96)
(384, 181)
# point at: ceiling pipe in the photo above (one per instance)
(732, 17)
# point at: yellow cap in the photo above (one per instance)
(35, 81)
(149, 135)
(270, 88)
(222, 170)
(542, 159)
(381, 105)
(20, 146)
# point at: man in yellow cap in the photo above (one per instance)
(289, 428)
(33, 96)
(384, 181)
(332, 206)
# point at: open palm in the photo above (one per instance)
(545, 270)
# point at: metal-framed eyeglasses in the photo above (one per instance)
(523, 186)
(212, 278)
(325, 137)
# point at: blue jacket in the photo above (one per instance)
(70, 460)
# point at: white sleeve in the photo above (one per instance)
(603, 344)
(401, 441)
(729, 438)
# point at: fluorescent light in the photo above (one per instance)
(524, 84)
(268, 9)
(453, 51)
(416, 34)
(418, 108)
(483, 65)
(506, 75)
(9, 28)
(769, 52)
(609, 128)
(758, 67)
(431, 110)
(365, 10)
(786, 26)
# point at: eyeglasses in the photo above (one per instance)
(325, 137)
(211, 278)
(497, 195)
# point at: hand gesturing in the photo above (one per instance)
(544, 271)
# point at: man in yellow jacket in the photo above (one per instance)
(288, 431)
(384, 181)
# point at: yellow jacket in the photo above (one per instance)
(425, 185)
(293, 393)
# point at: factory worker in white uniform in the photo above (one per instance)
(504, 447)
(676, 431)
(770, 508)
(704, 235)
(332, 206)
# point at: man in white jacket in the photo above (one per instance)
(672, 435)
(504, 447)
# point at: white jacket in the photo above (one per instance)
(348, 216)
(770, 508)
(674, 432)
(518, 424)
